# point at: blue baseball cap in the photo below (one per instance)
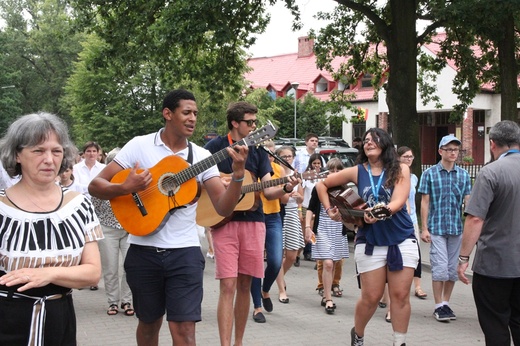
(448, 139)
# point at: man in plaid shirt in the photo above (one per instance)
(444, 187)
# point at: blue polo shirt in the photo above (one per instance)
(447, 190)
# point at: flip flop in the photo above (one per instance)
(419, 293)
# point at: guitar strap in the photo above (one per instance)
(190, 154)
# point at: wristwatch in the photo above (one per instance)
(463, 259)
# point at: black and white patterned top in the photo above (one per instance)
(56, 238)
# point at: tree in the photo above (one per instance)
(39, 45)
(381, 37)
(9, 94)
(391, 29)
(198, 41)
(488, 26)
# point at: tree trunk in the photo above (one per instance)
(508, 71)
(402, 81)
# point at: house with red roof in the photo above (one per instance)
(276, 73)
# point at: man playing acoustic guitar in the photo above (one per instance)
(165, 268)
(239, 244)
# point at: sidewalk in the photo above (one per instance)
(301, 322)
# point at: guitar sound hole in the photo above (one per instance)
(168, 184)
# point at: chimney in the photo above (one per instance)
(305, 46)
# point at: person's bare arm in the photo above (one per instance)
(102, 188)
(87, 273)
(345, 176)
(425, 207)
(472, 230)
(224, 197)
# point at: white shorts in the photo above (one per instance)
(409, 251)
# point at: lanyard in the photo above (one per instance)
(375, 189)
(230, 140)
(510, 151)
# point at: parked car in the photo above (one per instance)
(346, 155)
(327, 142)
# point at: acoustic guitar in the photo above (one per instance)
(352, 207)
(173, 186)
(207, 216)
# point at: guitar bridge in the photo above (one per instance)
(139, 204)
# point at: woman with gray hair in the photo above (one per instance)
(48, 240)
(114, 245)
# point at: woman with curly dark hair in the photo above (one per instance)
(386, 249)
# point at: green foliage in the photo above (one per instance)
(482, 42)
(9, 94)
(191, 40)
(39, 45)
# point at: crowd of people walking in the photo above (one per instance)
(64, 233)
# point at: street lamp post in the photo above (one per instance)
(295, 88)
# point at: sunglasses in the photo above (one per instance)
(250, 122)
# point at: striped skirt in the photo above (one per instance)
(330, 243)
(292, 230)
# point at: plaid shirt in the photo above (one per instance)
(447, 190)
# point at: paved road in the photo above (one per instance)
(301, 322)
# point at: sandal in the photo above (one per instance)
(330, 309)
(324, 302)
(112, 310)
(320, 291)
(127, 307)
(337, 292)
(387, 317)
(419, 293)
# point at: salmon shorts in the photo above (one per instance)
(239, 249)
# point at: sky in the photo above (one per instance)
(279, 38)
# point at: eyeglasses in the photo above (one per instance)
(287, 157)
(408, 157)
(374, 140)
(250, 122)
(451, 150)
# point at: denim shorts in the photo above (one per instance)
(165, 281)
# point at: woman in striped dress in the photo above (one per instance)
(330, 245)
(292, 227)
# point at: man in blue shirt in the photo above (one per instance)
(444, 187)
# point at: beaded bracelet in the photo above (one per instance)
(238, 180)
(284, 188)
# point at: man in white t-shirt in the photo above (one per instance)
(89, 168)
(301, 161)
(164, 268)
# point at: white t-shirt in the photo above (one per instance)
(83, 175)
(180, 230)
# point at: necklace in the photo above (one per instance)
(36, 205)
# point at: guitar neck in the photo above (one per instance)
(205, 164)
(264, 184)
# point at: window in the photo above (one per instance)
(366, 80)
(272, 93)
(322, 85)
(342, 86)
(290, 92)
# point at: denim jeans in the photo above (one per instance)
(274, 255)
